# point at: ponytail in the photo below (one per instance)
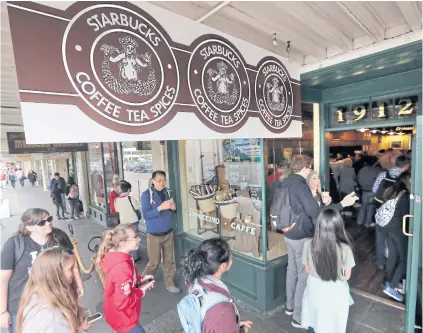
(112, 239)
(105, 247)
(205, 260)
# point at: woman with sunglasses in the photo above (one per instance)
(35, 234)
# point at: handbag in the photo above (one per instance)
(137, 211)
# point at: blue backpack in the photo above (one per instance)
(192, 309)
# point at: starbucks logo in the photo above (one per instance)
(219, 85)
(274, 94)
(121, 65)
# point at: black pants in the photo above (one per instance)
(59, 207)
(396, 264)
(73, 203)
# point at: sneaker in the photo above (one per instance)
(393, 294)
(70, 220)
(289, 312)
(400, 288)
(296, 324)
(174, 290)
(77, 217)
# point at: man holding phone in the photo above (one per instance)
(157, 207)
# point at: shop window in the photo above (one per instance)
(95, 172)
(222, 192)
(111, 167)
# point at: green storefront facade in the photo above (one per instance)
(396, 74)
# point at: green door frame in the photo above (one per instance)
(415, 227)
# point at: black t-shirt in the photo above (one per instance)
(162, 195)
(22, 269)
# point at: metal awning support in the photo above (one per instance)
(214, 10)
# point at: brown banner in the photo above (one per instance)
(120, 67)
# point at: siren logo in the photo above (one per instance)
(274, 94)
(219, 85)
(121, 65)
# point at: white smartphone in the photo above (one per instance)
(94, 317)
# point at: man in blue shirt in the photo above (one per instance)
(157, 207)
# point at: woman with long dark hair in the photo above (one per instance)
(206, 265)
(328, 260)
(396, 264)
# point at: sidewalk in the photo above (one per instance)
(159, 306)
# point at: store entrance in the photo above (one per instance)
(350, 151)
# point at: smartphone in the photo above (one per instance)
(94, 317)
(139, 284)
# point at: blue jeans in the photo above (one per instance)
(12, 328)
(380, 246)
(136, 255)
(63, 196)
(136, 329)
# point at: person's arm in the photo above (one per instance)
(4, 288)
(309, 204)
(7, 268)
(348, 261)
(304, 258)
(125, 296)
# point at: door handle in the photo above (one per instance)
(404, 220)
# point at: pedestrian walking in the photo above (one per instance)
(389, 217)
(157, 209)
(123, 287)
(328, 261)
(56, 196)
(203, 269)
(72, 194)
(35, 234)
(21, 177)
(32, 177)
(60, 181)
(12, 178)
(49, 302)
(3, 179)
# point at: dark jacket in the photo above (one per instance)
(221, 318)
(61, 182)
(367, 177)
(156, 222)
(303, 204)
(401, 208)
(56, 196)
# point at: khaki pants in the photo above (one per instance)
(156, 244)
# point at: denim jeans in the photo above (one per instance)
(136, 329)
(12, 328)
(380, 246)
(63, 201)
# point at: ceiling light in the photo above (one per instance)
(384, 131)
(391, 133)
(359, 72)
(368, 66)
(381, 67)
(375, 131)
(401, 133)
(362, 130)
(339, 77)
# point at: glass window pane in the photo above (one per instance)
(95, 170)
(110, 165)
(234, 211)
(138, 167)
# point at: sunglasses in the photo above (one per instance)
(42, 223)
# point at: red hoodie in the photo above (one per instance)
(122, 300)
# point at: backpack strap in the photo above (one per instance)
(151, 196)
(19, 241)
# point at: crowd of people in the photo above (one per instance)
(12, 174)
(41, 282)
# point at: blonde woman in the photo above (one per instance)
(122, 289)
(313, 182)
(49, 302)
(36, 233)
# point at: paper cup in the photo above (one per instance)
(325, 196)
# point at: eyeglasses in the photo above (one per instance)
(42, 223)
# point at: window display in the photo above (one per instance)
(95, 170)
(137, 167)
(222, 191)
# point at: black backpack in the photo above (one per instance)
(281, 213)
